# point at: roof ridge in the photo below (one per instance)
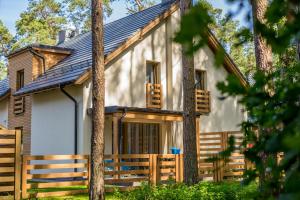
(117, 20)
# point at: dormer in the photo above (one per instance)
(34, 60)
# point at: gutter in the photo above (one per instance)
(75, 119)
(40, 56)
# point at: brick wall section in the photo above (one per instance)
(32, 66)
(19, 62)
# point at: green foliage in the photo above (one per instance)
(78, 13)
(227, 31)
(200, 191)
(6, 40)
(134, 6)
(272, 100)
(40, 23)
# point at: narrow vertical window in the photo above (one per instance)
(200, 79)
(20, 79)
(152, 72)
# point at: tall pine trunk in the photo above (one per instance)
(189, 117)
(98, 95)
(264, 63)
(263, 51)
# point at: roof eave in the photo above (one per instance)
(5, 95)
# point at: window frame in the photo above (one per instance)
(203, 73)
(20, 79)
(156, 67)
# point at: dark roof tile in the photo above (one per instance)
(115, 34)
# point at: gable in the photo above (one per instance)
(118, 37)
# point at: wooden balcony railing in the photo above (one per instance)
(153, 95)
(19, 105)
(202, 99)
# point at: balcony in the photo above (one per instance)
(202, 99)
(153, 96)
(19, 105)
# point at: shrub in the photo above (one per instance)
(200, 191)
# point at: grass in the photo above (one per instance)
(108, 196)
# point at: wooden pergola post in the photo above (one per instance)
(198, 142)
(115, 122)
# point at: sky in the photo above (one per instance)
(10, 11)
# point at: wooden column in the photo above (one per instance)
(18, 165)
(198, 142)
(116, 142)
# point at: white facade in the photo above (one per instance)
(4, 112)
(52, 128)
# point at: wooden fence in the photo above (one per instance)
(54, 171)
(122, 172)
(10, 163)
(210, 145)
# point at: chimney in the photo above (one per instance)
(62, 34)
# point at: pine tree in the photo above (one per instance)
(97, 189)
(189, 109)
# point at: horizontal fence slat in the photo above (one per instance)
(7, 160)
(6, 189)
(57, 166)
(7, 132)
(57, 157)
(125, 180)
(58, 175)
(7, 169)
(7, 141)
(7, 150)
(167, 163)
(56, 184)
(113, 164)
(127, 172)
(127, 156)
(4, 179)
(60, 193)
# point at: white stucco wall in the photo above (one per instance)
(4, 112)
(52, 124)
(225, 115)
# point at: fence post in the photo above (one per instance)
(24, 178)
(17, 164)
(89, 171)
(181, 168)
(153, 169)
(177, 168)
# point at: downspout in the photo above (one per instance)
(120, 130)
(75, 119)
(40, 56)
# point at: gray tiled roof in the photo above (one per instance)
(115, 34)
(4, 87)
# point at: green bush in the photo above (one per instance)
(201, 191)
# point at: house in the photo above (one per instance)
(48, 90)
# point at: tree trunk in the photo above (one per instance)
(189, 117)
(263, 51)
(98, 95)
(264, 62)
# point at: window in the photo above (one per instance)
(200, 79)
(152, 72)
(20, 79)
(140, 138)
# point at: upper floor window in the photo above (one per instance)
(20, 79)
(200, 79)
(152, 72)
